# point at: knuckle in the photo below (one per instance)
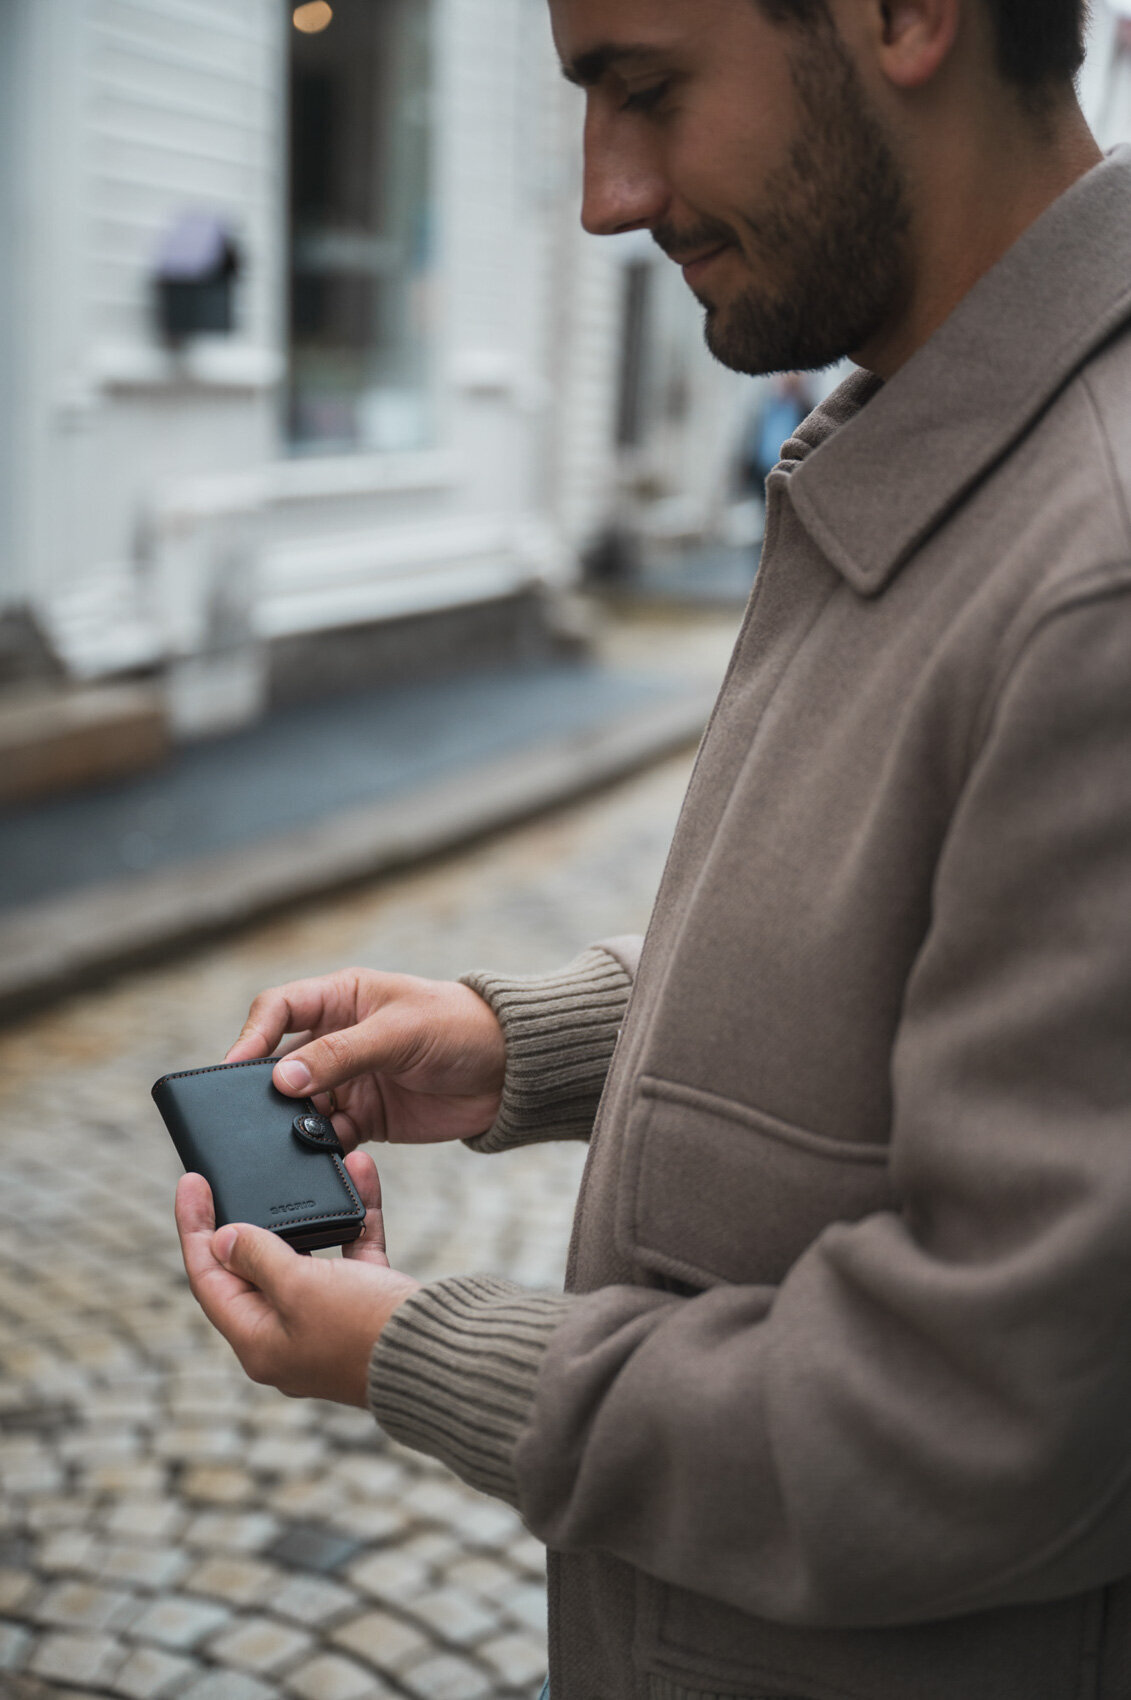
(335, 1051)
(404, 1037)
(262, 1003)
(248, 1347)
(256, 1365)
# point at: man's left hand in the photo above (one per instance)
(305, 1325)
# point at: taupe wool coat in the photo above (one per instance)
(838, 1402)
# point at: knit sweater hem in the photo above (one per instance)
(454, 1373)
(561, 1030)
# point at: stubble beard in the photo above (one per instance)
(829, 243)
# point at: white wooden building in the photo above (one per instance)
(1105, 83)
(421, 403)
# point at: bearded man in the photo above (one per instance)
(837, 1403)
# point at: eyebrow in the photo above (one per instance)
(591, 68)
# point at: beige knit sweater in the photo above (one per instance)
(454, 1372)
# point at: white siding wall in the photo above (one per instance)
(370, 537)
(701, 408)
(43, 260)
(1105, 82)
(182, 110)
(135, 467)
(144, 108)
(16, 212)
(688, 458)
(147, 107)
(121, 465)
(584, 353)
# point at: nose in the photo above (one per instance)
(625, 186)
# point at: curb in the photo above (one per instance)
(51, 948)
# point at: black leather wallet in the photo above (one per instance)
(270, 1160)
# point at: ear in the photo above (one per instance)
(915, 38)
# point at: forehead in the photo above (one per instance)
(585, 31)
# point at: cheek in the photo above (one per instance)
(720, 162)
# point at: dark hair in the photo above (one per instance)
(1039, 42)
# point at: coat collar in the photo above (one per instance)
(883, 464)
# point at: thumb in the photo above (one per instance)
(370, 1248)
(323, 1063)
(257, 1256)
(386, 1042)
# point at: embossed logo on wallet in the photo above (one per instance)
(299, 1204)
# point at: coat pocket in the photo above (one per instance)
(659, 1688)
(692, 1648)
(713, 1190)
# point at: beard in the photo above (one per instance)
(829, 244)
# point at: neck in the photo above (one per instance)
(975, 190)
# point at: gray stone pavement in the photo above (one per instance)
(166, 1527)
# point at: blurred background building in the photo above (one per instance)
(309, 377)
(306, 368)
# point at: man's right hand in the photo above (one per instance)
(409, 1060)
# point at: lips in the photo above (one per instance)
(698, 264)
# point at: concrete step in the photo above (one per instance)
(54, 740)
(260, 821)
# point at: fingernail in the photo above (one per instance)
(295, 1074)
(224, 1245)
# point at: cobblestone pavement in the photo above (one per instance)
(166, 1527)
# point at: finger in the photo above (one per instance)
(214, 1287)
(370, 1248)
(383, 1043)
(302, 1006)
(248, 1048)
(258, 1257)
(349, 1130)
(326, 1103)
(194, 1209)
(255, 1046)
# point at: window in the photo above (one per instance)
(632, 397)
(361, 226)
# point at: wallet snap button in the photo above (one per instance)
(316, 1130)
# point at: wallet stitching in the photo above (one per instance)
(293, 1221)
(327, 1215)
(218, 1068)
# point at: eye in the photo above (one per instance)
(646, 100)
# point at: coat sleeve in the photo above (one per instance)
(930, 1415)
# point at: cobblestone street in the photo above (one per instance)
(168, 1528)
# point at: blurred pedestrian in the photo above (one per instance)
(837, 1400)
(784, 403)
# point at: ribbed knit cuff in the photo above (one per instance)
(560, 1030)
(454, 1371)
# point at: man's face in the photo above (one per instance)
(753, 154)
